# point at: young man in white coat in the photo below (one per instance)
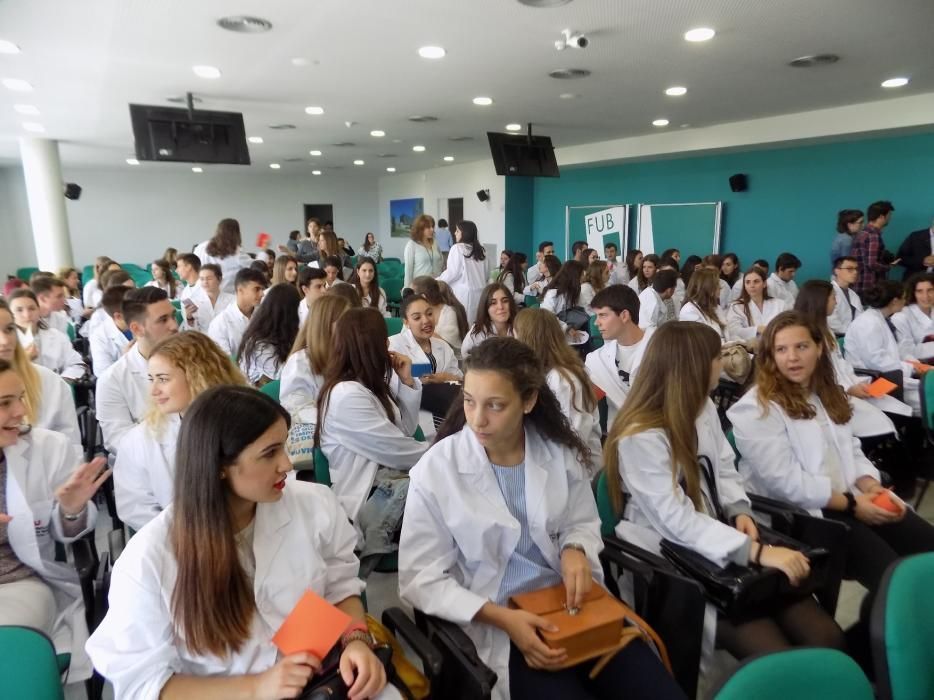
(123, 390)
(653, 311)
(45, 497)
(781, 283)
(51, 293)
(849, 305)
(611, 367)
(199, 316)
(228, 326)
(108, 338)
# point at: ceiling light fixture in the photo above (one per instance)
(660, 122)
(28, 110)
(569, 73)
(34, 127)
(544, 3)
(514, 127)
(255, 139)
(418, 149)
(448, 159)
(274, 166)
(676, 91)
(699, 34)
(895, 82)
(132, 161)
(568, 96)
(314, 153)
(432, 52)
(359, 162)
(244, 24)
(315, 172)
(206, 72)
(16, 85)
(196, 169)
(377, 133)
(814, 61)
(300, 61)
(483, 101)
(314, 111)
(8, 47)
(390, 170)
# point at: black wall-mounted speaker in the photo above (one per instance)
(483, 195)
(739, 182)
(72, 191)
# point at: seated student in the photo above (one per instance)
(227, 327)
(849, 305)
(748, 316)
(730, 271)
(540, 270)
(311, 282)
(662, 489)
(76, 311)
(367, 413)
(914, 325)
(270, 335)
(645, 273)
(496, 313)
(333, 271)
(50, 293)
(653, 311)
(715, 262)
(181, 367)
(596, 278)
(110, 337)
(188, 266)
(566, 290)
(163, 278)
(183, 624)
(44, 346)
(93, 288)
(566, 377)
(481, 526)
(366, 282)
(418, 342)
(628, 271)
(122, 394)
(282, 270)
(794, 432)
(702, 301)
(611, 367)
(781, 283)
(449, 316)
(111, 279)
(214, 301)
(513, 276)
(677, 299)
(551, 265)
(348, 292)
(871, 343)
(46, 497)
(303, 372)
(49, 399)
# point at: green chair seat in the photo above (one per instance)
(24, 273)
(531, 302)
(393, 288)
(393, 325)
(29, 666)
(271, 389)
(608, 517)
(596, 340)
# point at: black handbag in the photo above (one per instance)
(329, 685)
(742, 592)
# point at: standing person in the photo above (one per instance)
(748, 316)
(610, 252)
(228, 326)
(444, 239)
(501, 505)
(371, 249)
(197, 594)
(366, 280)
(849, 223)
(163, 278)
(50, 293)
(270, 334)
(534, 274)
(224, 251)
(466, 268)
(422, 256)
(307, 248)
(43, 345)
(781, 283)
(917, 252)
(496, 314)
(849, 305)
(869, 249)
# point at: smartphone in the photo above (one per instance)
(421, 369)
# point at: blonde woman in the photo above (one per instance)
(285, 270)
(422, 256)
(180, 368)
(565, 376)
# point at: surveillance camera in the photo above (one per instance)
(572, 39)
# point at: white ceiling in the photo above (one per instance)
(88, 59)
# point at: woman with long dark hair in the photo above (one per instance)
(645, 273)
(198, 593)
(163, 278)
(223, 250)
(513, 277)
(564, 292)
(450, 316)
(269, 336)
(371, 248)
(631, 268)
(747, 317)
(366, 281)
(496, 313)
(730, 270)
(466, 270)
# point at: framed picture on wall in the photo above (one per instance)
(402, 214)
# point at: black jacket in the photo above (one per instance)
(914, 250)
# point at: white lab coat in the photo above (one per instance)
(380, 306)
(57, 410)
(651, 309)
(475, 337)
(458, 533)
(357, 437)
(55, 352)
(59, 320)
(302, 541)
(466, 277)
(585, 423)
(690, 312)
(144, 473)
(870, 344)
(206, 313)
(122, 397)
(868, 418)
(447, 329)
(737, 290)
(227, 329)
(586, 296)
(783, 458)
(37, 464)
(509, 281)
(738, 326)
(91, 294)
(604, 373)
(108, 343)
(299, 386)
(264, 362)
(842, 315)
(404, 343)
(164, 286)
(724, 294)
(912, 326)
(779, 289)
(230, 265)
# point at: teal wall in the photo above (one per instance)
(520, 201)
(793, 198)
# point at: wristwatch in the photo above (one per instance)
(76, 516)
(850, 503)
(575, 546)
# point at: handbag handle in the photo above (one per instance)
(706, 468)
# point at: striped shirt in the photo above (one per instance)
(527, 569)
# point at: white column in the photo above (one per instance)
(45, 190)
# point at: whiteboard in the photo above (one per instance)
(693, 228)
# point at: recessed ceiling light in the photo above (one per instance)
(448, 159)
(244, 24)
(676, 91)
(359, 162)
(274, 166)
(132, 161)
(315, 172)
(431, 52)
(8, 47)
(483, 101)
(514, 127)
(699, 34)
(544, 3)
(894, 82)
(390, 170)
(314, 153)
(569, 73)
(28, 110)
(660, 122)
(196, 169)
(281, 127)
(300, 62)
(568, 96)
(418, 149)
(814, 60)
(17, 85)
(34, 127)
(255, 139)
(378, 133)
(208, 72)
(316, 111)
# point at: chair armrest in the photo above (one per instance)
(782, 514)
(116, 541)
(867, 372)
(464, 675)
(86, 564)
(400, 625)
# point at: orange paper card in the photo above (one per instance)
(920, 366)
(881, 387)
(598, 392)
(314, 625)
(262, 239)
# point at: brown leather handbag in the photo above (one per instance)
(601, 627)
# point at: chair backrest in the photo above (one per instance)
(927, 401)
(322, 468)
(608, 517)
(531, 302)
(28, 665)
(271, 389)
(798, 673)
(902, 630)
(393, 325)
(393, 288)
(24, 273)
(596, 340)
